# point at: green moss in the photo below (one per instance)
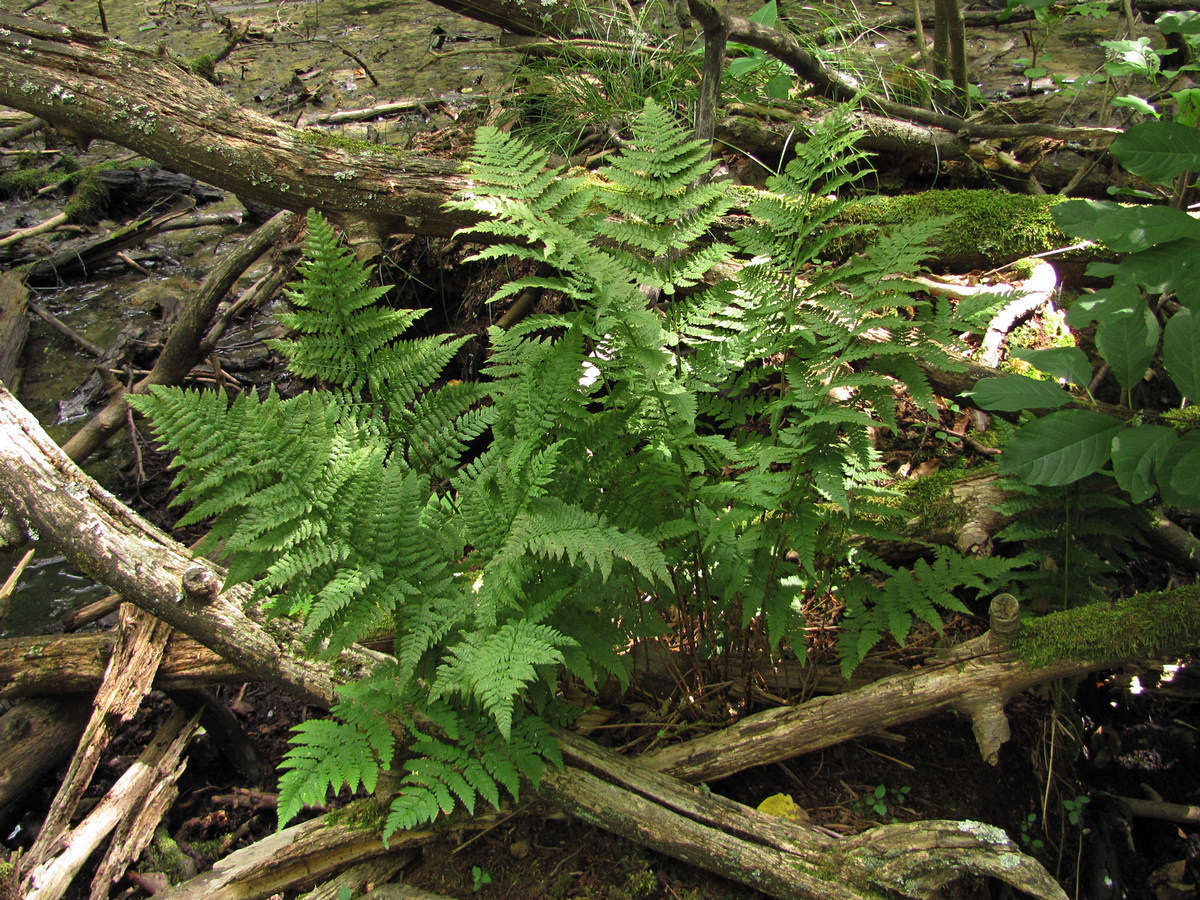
(25, 182)
(204, 66)
(929, 499)
(991, 224)
(164, 855)
(366, 814)
(341, 142)
(1144, 626)
(89, 200)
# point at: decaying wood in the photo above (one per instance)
(969, 683)
(136, 828)
(48, 665)
(359, 877)
(127, 680)
(159, 762)
(14, 327)
(73, 261)
(771, 854)
(296, 858)
(116, 547)
(1177, 544)
(35, 735)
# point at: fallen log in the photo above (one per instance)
(298, 858)
(93, 87)
(35, 735)
(14, 327)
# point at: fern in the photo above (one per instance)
(876, 607)
(621, 466)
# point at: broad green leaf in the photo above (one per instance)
(1122, 296)
(779, 87)
(1136, 452)
(744, 65)
(1125, 229)
(1179, 472)
(1060, 448)
(1158, 151)
(1184, 22)
(1134, 102)
(1070, 363)
(1127, 342)
(1173, 266)
(1010, 393)
(767, 14)
(1181, 352)
(1187, 103)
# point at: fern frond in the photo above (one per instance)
(325, 753)
(492, 668)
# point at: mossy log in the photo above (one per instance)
(985, 229)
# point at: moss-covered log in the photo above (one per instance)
(988, 228)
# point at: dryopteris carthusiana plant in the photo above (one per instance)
(707, 461)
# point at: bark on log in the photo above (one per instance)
(296, 858)
(14, 328)
(34, 736)
(95, 87)
(772, 854)
(73, 664)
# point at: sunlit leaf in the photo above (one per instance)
(1070, 363)
(1061, 447)
(1010, 393)
(1127, 342)
(1136, 452)
(1158, 151)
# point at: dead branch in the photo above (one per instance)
(126, 681)
(160, 761)
(184, 345)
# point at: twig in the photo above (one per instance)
(66, 330)
(133, 263)
(33, 230)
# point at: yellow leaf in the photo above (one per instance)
(784, 806)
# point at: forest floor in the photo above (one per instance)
(1106, 738)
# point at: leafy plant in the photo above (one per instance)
(479, 879)
(1147, 453)
(620, 466)
(883, 800)
(1074, 808)
(751, 73)
(1026, 836)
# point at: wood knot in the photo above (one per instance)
(201, 584)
